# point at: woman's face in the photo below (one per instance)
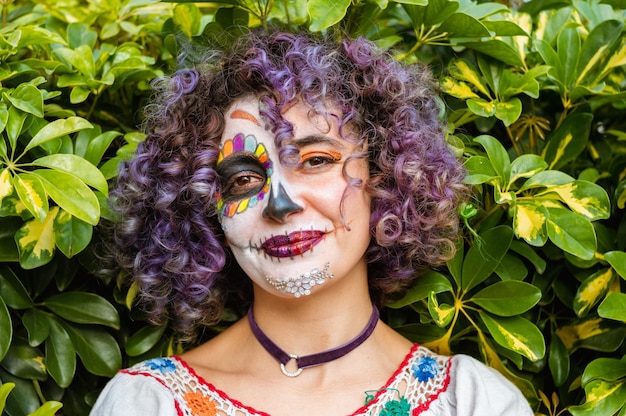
(283, 223)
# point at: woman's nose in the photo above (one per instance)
(279, 204)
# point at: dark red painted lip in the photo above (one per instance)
(293, 244)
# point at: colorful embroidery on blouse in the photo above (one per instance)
(419, 381)
(162, 365)
(199, 405)
(425, 368)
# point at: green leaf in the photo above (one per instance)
(464, 25)
(498, 156)
(617, 260)
(71, 234)
(15, 125)
(6, 329)
(188, 17)
(60, 355)
(71, 194)
(76, 166)
(56, 129)
(442, 314)
(32, 194)
(12, 290)
(516, 334)
(97, 349)
(35, 241)
(507, 298)
(83, 308)
(431, 281)
(49, 408)
(27, 98)
(572, 233)
(5, 389)
(568, 140)
(25, 362)
(497, 49)
(37, 325)
(591, 290)
(144, 339)
(568, 49)
(479, 170)
(325, 13)
(484, 255)
(613, 307)
(558, 361)
(609, 369)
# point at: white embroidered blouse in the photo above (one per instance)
(433, 385)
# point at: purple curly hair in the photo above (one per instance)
(169, 241)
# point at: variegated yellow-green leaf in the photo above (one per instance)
(35, 241)
(603, 398)
(31, 192)
(516, 334)
(457, 89)
(585, 198)
(572, 233)
(573, 335)
(529, 221)
(71, 194)
(568, 140)
(481, 107)
(508, 111)
(6, 187)
(592, 290)
(492, 359)
(71, 234)
(465, 71)
(441, 314)
(526, 166)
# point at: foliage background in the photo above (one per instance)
(534, 97)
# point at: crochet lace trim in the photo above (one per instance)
(417, 383)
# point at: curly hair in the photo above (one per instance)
(168, 240)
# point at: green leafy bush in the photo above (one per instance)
(534, 97)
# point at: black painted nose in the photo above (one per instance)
(280, 205)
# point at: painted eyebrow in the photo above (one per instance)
(244, 115)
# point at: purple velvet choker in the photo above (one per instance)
(314, 359)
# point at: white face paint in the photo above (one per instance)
(283, 224)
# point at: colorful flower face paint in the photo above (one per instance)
(246, 170)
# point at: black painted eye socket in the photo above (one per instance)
(241, 176)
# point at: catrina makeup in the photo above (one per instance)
(246, 171)
(283, 223)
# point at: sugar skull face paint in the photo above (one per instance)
(284, 223)
(246, 169)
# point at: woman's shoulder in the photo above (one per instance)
(429, 384)
(138, 390)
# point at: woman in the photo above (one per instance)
(309, 181)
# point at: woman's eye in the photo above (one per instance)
(318, 161)
(243, 184)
